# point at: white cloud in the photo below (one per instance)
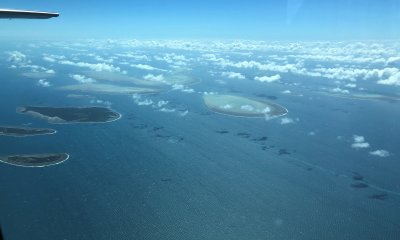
(287, 92)
(49, 59)
(52, 57)
(268, 79)
(167, 110)
(134, 56)
(43, 83)
(358, 139)
(182, 88)
(257, 65)
(146, 67)
(233, 75)
(16, 57)
(353, 61)
(380, 153)
(135, 96)
(339, 90)
(188, 90)
(98, 67)
(138, 100)
(360, 145)
(145, 102)
(82, 78)
(247, 108)
(392, 80)
(359, 142)
(393, 60)
(99, 101)
(227, 106)
(351, 85)
(266, 110)
(157, 78)
(161, 103)
(286, 120)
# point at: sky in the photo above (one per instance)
(282, 20)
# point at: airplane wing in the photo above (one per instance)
(10, 13)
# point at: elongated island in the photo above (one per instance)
(35, 160)
(24, 131)
(72, 114)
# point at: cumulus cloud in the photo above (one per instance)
(49, 59)
(359, 142)
(233, 75)
(43, 83)
(162, 103)
(20, 60)
(227, 106)
(182, 88)
(247, 108)
(53, 58)
(173, 58)
(146, 67)
(380, 153)
(99, 101)
(351, 85)
(134, 56)
(286, 120)
(268, 79)
(146, 102)
(98, 67)
(266, 110)
(287, 92)
(392, 80)
(157, 78)
(16, 57)
(138, 100)
(392, 60)
(168, 110)
(358, 139)
(339, 90)
(82, 78)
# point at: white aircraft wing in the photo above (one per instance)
(11, 13)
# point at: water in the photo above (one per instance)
(159, 175)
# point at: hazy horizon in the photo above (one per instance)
(257, 20)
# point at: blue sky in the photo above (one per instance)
(209, 19)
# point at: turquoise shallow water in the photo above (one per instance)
(156, 175)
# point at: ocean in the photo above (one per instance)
(200, 174)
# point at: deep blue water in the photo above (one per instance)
(126, 180)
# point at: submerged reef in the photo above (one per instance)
(242, 107)
(283, 151)
(359, 185)
(378, 196)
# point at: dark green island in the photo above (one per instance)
(72, 114)
(24, 131)
(35, 160)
